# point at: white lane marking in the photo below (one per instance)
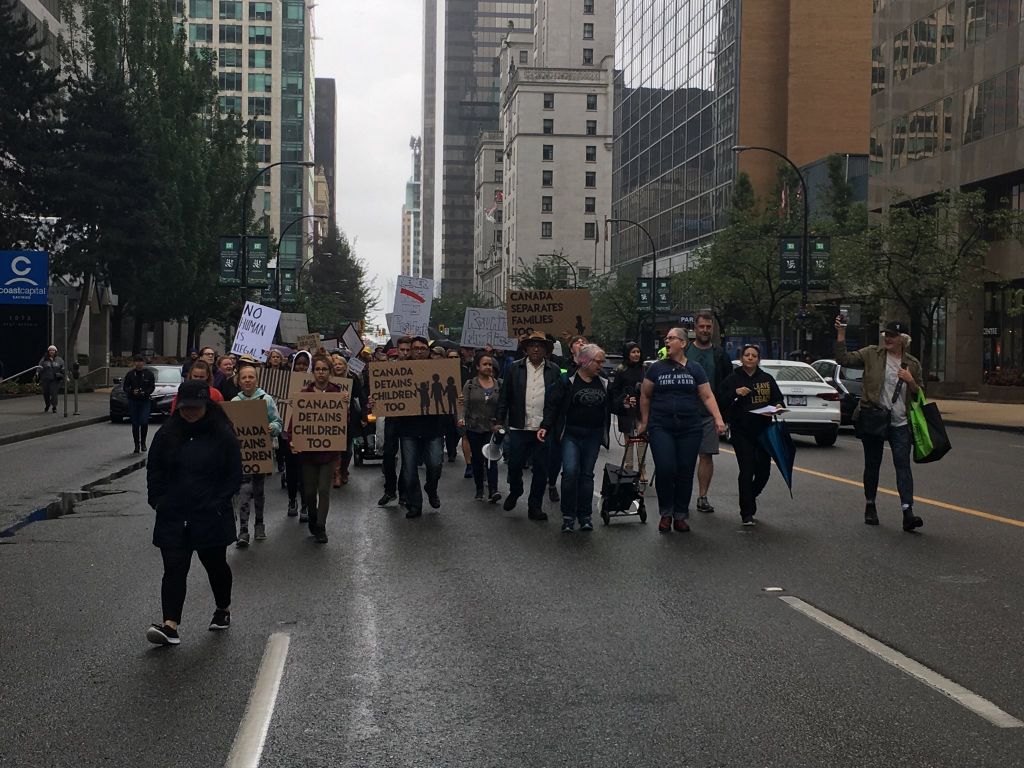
(965, 698)
(252, 732)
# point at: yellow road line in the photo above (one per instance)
(917, 499)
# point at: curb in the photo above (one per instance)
(990, 427)
(17, 437)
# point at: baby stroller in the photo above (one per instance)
(370, 445)
(621, 487)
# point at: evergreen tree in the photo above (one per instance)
(335, 288)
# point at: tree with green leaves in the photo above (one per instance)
(547, 273)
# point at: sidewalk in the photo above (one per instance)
(970, 413)
(22, 418)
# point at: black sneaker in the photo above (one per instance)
(161, 634)
(259, 532)
(435, 501)
(469, 472)
(386, 499)
(553, 493)
(586, 524)
(567, 524)
(870, 514)
(321, 536)
(479, 496)
(703, 505)
(510, 502)
(749, 521)
(536, 513)
(414, 513)
(495, 497)
(221, 620)
(293, 508)
(304, 514)
(243, 538)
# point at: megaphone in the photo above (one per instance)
(492, 451)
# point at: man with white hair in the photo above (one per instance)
(892, 378)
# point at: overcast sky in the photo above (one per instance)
(373, 50)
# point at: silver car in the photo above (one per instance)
(812, 403)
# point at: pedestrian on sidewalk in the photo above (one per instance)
(318, 466)
(891, 379)
(51, 376)
(252, 492)
(194, 470)
(717, 367)
(138, 386)
(478, 418)
(670, 413)
(581, 422)
(746, 389)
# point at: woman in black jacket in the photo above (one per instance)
(625, 394)
(194, 469)
(746, 389)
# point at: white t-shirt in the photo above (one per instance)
(899, 408)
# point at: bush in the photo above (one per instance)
(14, 388)
(1005, 377)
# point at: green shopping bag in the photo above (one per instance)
(930, 440)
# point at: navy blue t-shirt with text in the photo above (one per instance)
(675, 395)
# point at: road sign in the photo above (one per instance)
(24, 277)
(663, 294)
(790, 262)
(230, 248)
(644, 292)
(818, 273)
(257, 254)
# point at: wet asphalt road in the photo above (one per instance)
(474, 637)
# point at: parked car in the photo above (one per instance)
(168, 378)
(812, 403)
(848, 382)
(611, 362)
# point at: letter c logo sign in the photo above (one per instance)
(18, 270)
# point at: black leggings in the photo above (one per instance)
(175, 581)
(292, 468)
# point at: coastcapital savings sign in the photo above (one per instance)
(24, 277)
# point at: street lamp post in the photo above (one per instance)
(501, 302)
(560, 257)
(654, 262)
(246, 206)
(805, 241)
(277, 271)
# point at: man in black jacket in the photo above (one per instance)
(138, 385)
(528, 399)
(421, 440)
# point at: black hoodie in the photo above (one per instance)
(764, 390)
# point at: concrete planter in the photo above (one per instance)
(991, 393)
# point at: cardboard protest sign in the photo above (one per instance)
(413, 297)
(298, 381)
(292, 325)
(352, 339)
(255, 331)
(308, 341)
(274, 381)
(415, 387)
(249, 418)
(558, 313)
(319, 422)
(483, 327)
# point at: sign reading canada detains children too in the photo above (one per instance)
(319, 422)
(558, 313)
(415, 387)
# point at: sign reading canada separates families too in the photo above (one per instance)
(320, 420)
(558, 313)
(249, 418)
(415, 387)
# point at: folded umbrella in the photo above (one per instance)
(779, 445)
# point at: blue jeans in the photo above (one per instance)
(675, 456)
(522, 446)
(580, 448)
(428, 451)
(138, 412)
(901, 444)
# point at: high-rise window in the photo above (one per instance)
(588, 6)
(588, 55)
(548, 152)
(261, 58)
(230, 33)
(260, 35)
(549, 101)
(590, 205)
(498, 176)
(546, 228)
(590, 179)
(261, 129)
(524, 57)
(549, 126)
(590, 230)
(259, 105)
(591, 102)
(229, 81)
(497, 156)
(260, 82)
(591, 151)
(547, 178)
(261, 11)
(261, 152)
(230, 9)
(200, 33)
(292, 84)
(591, 127)
(229, 57)
(200, 9)
(546, 204)
(588, 31)
(231, 104)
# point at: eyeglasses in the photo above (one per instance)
(419, 349)
(321, 370)
(672, 338)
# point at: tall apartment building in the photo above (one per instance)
(947, 112)
(695, 78)
(556, 114)
(412, 253)
(490, 270)
(325, 131)
(265, 74)
(459, 103)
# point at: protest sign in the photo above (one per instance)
(274, 381)
(389, 320)
(559, 313)
(356, 366)
(415, 387)
(293, 325)
(483, 327)
(308, 341)
(352, 339)
(319, 422)
(249, 418)
(413, 297)
(298, 381)
(255, 331)
(329, 345)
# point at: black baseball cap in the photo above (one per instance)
(896, 327)
(193, 392)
